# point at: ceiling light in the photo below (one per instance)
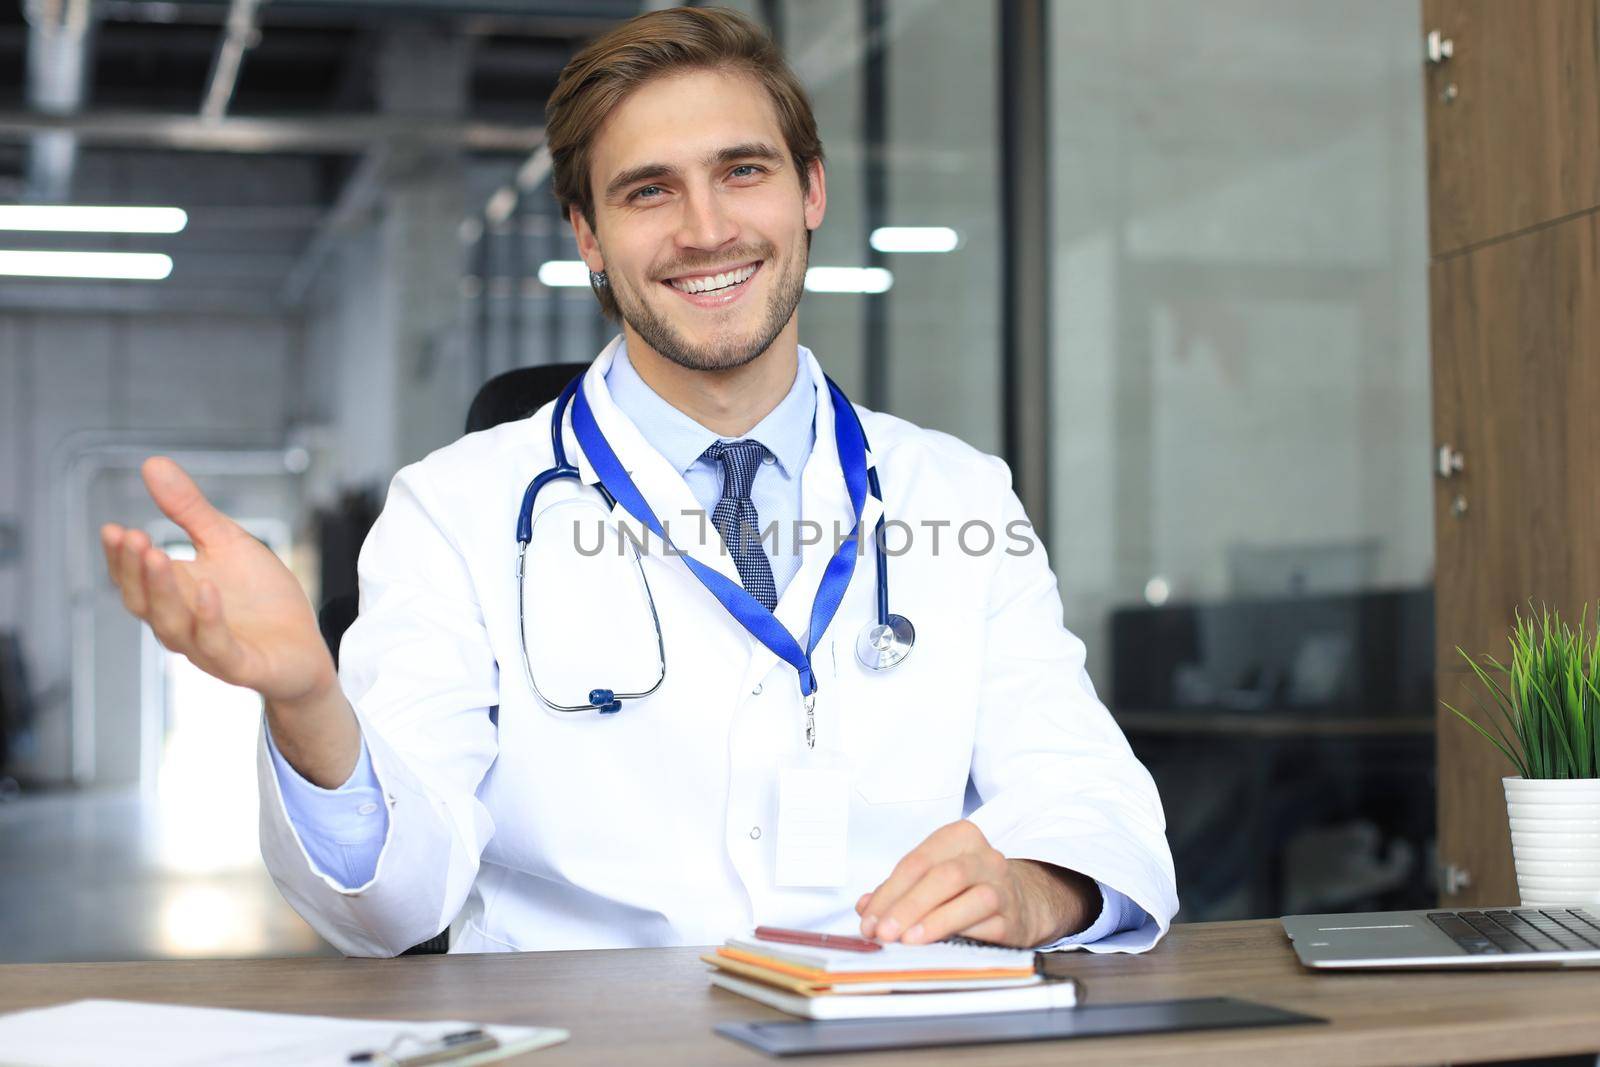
(914, 239)
(558, 273)
(140, 266)
(500, 206)
(848, 280)
(76, 218)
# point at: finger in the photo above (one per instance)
(944, 881)
(861, 903)
(994, 929)
(942, 844)
(906, 874)
(169, 614)
(181, 501)
(213, 641)
(130, 572)
(976, 905)
(111, 544)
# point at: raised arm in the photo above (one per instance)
(238, 614)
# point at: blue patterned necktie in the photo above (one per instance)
(736, 520)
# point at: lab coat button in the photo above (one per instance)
(755, 833)
(366, 809)
(756, 691)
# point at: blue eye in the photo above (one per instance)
(751, 167)
(641, 192)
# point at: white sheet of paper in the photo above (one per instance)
(87, 1033)
(813, 826)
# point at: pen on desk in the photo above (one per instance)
(806, 937)
(449, 1047)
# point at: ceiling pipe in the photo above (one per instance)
(241, 36)
(307, 133)
(58, 32)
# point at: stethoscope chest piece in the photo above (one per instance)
(881, 645)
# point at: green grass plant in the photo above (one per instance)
(1544, 706)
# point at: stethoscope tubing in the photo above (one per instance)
(603, 700)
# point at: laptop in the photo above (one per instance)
(1491, 937)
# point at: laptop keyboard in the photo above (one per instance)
(1487, 933)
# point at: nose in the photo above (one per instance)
(706, 223)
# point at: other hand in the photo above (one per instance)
(955, 883)
(235, 610)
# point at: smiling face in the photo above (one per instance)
(700, 221)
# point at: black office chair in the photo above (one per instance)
(516, 394)
(16, 702)
(506, 397)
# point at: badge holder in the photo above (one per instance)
(813, 814)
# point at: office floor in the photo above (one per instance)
(122, 876)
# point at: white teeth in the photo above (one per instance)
(714, 282)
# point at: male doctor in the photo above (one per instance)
(978, 787)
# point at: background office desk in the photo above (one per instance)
(654, 1005)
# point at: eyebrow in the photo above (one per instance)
(656, 171)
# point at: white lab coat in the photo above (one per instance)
(657, 825)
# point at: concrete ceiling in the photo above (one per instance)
(302, 118)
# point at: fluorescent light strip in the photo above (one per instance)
(848, 280)
(75, 218)
(136, 266)
(557, 273)
(914, 239)
(564, 273)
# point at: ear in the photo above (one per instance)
(588, 243)
(816, 199)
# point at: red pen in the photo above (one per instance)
(806, 937)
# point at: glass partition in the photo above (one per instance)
(1241, 509)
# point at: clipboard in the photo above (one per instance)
(89, 1033)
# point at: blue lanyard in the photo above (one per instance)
(750, 613)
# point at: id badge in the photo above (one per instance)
(813, 823)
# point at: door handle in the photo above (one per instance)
(1454, 879)
(1449, 461)
(1439, 48)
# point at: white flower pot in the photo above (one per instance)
(1555, 840)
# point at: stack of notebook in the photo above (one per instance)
(832, 977)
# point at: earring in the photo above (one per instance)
(598, 279)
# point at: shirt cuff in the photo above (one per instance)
(1117, 913)
(342, 829)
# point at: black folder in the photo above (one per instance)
(1097, 1020)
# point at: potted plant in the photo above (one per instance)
(1544, 709)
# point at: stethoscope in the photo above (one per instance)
(881, 644)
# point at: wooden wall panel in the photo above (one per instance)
(1516, 378)
(1516, 145)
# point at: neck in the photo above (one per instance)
(727, 402)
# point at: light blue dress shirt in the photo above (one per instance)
(787, 433)
(343, 829)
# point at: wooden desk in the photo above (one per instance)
(654, 1006)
